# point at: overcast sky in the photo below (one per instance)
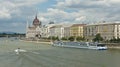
(15, 13)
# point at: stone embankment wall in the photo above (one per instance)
(113, 45)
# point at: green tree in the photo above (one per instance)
(98, 38)
(118, 40)
(63, 38)
(71, 38)
(114, 40)
(80, 38)
(53, 38)
(57, 38)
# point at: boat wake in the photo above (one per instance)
(35, 52)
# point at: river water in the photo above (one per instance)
(43, 55)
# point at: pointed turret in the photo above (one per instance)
(36, 22)
(26, 24)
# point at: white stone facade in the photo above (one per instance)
(108, 30)
(34, 31)
(60, 30)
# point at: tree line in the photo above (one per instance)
(12, 35)
(97, 38)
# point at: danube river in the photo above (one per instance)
(44, 55)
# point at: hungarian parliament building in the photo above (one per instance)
(34, 30)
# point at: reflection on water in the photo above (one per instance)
(42, 55)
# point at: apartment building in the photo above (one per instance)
(107, 30)
(77, 30)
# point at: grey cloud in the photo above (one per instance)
(94, 10)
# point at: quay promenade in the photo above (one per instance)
(113, 45)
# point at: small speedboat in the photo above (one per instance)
(18, 50)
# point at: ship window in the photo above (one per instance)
(102, 45)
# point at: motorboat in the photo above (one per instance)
(18, 50)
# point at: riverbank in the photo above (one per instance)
(113, 45)
(109, 45)
(41, 42)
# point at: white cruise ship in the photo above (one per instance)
(84, 45)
